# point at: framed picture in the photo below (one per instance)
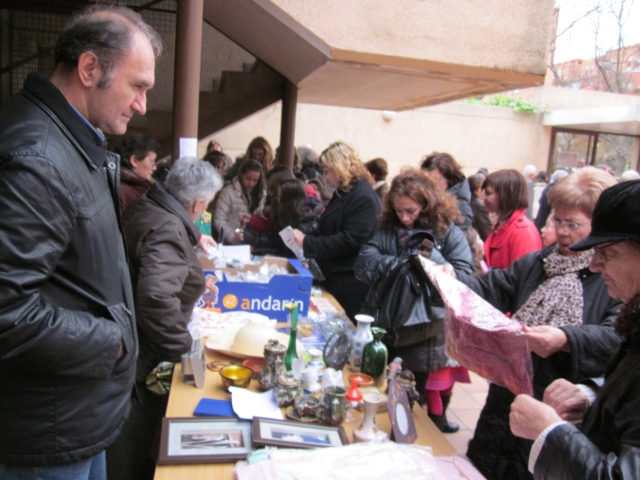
(278, 433)
(403, 428)
(204, 440)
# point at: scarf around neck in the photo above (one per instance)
(557, 301)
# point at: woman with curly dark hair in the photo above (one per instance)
(415, 204)
(448, 173)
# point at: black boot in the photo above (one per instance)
(449, 427)
(443, 424)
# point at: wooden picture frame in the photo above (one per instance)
(192, 440)
(403, 428)
(267, 431)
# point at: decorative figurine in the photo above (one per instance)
(408, 382)
(394, 368)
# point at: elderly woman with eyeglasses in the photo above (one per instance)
(606, 445)
(568, 317)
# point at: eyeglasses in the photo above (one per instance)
(603, 252)
(569, 225)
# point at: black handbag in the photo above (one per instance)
(406, 304)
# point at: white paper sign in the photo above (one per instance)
(188, 147)
(239, 252)
(289, 240)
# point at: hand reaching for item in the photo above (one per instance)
(529, 417)
(206, 242)
(545, 340)
(567, 399)
(299, 237)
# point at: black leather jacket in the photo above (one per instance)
(65, 293)
(378, 257)
(609, 445)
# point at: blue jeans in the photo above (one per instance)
(94, 468)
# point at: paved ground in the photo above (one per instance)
(466, 403)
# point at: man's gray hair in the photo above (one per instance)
(108, 32)
(530, 170)
(557, 175)
(191, 180)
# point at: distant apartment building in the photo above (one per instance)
(617, 71)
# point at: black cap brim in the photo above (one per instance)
(591, 241)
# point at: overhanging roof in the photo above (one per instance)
(328, 75)
(621, 120)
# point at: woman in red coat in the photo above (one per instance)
(514, 235)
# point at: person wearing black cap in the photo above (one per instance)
(607, 444)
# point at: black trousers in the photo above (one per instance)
(130, 457)
(348, 291)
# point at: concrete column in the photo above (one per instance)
(288, 123)
(186, 88)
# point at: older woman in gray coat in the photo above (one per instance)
(167, 281)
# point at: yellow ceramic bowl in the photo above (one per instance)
(236, 376)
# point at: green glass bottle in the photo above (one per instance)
(293, 332)
(374, 355)
(291, 350)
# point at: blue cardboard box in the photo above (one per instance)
(265, 298)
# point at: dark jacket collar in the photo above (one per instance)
(130, 178)
(163, 198)
(39, 86)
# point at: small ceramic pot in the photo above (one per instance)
(306, 406)
(335, 406)
(287, 389)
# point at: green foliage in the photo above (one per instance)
(516, 103)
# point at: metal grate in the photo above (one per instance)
(31, 36)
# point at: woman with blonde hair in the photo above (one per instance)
(348, 221)
(567, 313)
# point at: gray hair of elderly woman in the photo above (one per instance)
(191, 180)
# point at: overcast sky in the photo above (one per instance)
(579, 42)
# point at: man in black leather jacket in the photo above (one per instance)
(68, 342)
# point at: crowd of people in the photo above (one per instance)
(99, 273)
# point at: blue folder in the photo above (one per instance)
(209, 407)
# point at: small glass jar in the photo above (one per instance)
(287, 389)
